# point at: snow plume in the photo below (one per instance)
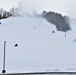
(31, 6)
(64, 7)
(27, 6)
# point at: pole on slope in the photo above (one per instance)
(4, 58)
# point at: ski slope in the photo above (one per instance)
(38, 48)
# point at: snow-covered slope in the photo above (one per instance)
(38, 48)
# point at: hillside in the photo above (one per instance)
(39, 49)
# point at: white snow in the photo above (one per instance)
(38, 48)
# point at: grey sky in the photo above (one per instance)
(65, 7)
(7, 4)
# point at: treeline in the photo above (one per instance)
(61, 22)
(5, 14)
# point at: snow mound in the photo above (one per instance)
(39, 49)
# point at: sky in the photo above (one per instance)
(65, 7)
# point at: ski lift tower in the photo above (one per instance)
(4, 58)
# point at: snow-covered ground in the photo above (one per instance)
(38, 48)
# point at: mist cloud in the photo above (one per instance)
(65, 7)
